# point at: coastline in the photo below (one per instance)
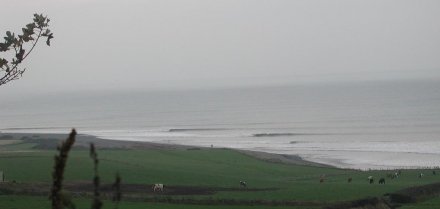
(282, 158)
(50, 141)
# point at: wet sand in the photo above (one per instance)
(51, 141)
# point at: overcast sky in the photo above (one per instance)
(164, 44)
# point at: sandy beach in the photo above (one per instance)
(49, 141)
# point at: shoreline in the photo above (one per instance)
(283, 158)
(50, 141)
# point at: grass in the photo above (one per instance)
(24, 202)
(16, 146)
(429, 204)
(6, 142)
(207, 168)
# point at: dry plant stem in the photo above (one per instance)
(97, 203)
(58, 173)
(117, 194)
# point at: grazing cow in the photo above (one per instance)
(382, 181)
(392, 175)
(243, 184)
(420, 175)
(350, 179)
(370, 179)
(157, 188)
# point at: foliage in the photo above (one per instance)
(19, 46)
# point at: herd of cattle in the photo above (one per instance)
(370, 179)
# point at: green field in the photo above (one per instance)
(429, 204)
(205, 168)
(19, 202)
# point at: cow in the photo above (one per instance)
(243, 184)
(157, 188)
(370, 179)
(349, 179)
(420, 175)
(392, 175)
(382, 181)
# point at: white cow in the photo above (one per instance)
(157, 188)
(243, 184)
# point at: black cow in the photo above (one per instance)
(370, 179)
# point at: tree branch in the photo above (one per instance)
(17, 43)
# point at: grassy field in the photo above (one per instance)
(26, 202)
(205, 168)
(429, 204)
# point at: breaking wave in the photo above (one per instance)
(280, 134)
(195, 129)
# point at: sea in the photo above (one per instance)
(358, 125)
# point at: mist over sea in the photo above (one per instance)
(354, 125)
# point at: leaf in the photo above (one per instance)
(49, 36)
(4, 47)
(25, 38)
(14, 61)
(3, 62)
(31, 26)
(20, 55)
(27, 32)
(9, 37)
(47, 32)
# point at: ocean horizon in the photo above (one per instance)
(364, 125)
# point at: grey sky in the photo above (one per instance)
(163, 44)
